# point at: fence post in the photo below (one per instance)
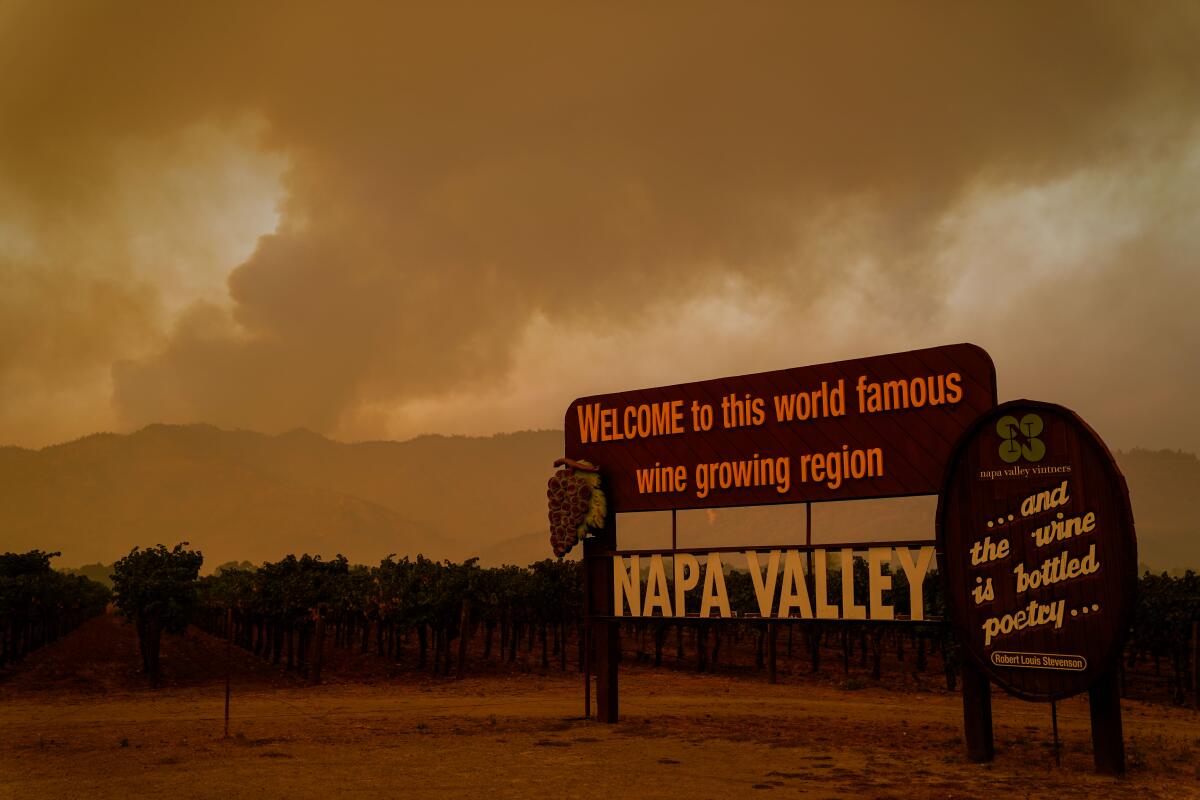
(228, 659)
(772, 649)
(319, 646)
(1196, 665)
(464, 633)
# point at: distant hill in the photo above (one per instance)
(100, 573)
(238, 495)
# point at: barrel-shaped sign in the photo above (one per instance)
(1038, 551)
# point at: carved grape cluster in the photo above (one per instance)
(575, 504)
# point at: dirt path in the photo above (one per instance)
(92, 731)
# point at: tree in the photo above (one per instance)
(155, 588)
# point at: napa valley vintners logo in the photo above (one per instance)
(1020, 438)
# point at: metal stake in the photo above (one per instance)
(1054, 725)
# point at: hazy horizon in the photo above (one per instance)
(413, 437)
(244, 495)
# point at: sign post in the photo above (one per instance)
(883, 426)
(1035, 538)
(1039, 562)
(604, 635)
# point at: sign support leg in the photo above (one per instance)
(586, 633)
(977, 714)
(607, 645)
(605, 633)
(1108, 741)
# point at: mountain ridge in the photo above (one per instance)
(239, 494)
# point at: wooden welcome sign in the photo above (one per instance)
(1035, 537)
(872, 427)
(1039, 560)
(1039, 557)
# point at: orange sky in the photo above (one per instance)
(377, 220)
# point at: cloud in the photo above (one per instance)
(98, 261)
(473, 200)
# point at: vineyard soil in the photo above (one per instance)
(77, 721)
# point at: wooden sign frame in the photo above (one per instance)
(588, 435)
(1022, 493)
(922, 457)
(866, 428)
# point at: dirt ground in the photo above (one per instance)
(77, 721)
